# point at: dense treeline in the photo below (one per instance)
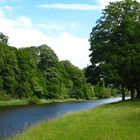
(37, 72)
(115, 48)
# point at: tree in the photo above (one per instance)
(79, 88)
(115, 46)
(30, 82)
(3, 39)
(8, 70)
(48, 64)
(36, 72)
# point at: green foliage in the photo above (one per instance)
(115, 47)
(33, 100)
(36, 72)
(115, 92)
(4, 97)
(3, 39)
(8, 70)
(78, 87)
(28, 71)
(90, 92)
(102, 92)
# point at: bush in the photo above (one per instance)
(90, 91)
(33, 100)
(115, 92)
(102, 92)
(4, 97)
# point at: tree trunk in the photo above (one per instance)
(132, 94)
(138, 94)
(123, 94)
(138, 91)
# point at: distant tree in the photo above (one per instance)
(36, 72)
(115, 47)
(78, 89)
(48, 64)
(3, 38)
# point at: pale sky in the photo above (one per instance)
(64, 25)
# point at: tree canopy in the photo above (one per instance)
(115, 47)
(37, 72)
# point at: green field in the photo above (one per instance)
(118, 121)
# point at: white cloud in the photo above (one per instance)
(103, 3)
(7, 7)
(69, 6)
(65, 45)
(72, 48)
(4, 8)
(24, 21)
(1, 13)
(100, 5)
(49, 26)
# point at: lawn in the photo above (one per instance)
(118, 121)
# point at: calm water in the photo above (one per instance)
(16, 119)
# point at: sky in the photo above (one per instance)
(64, 25)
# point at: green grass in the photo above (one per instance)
(15, 102)
(44, 101)
(119, 121)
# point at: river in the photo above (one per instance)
(16, 119)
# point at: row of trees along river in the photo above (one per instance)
(36, 72)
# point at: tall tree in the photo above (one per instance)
(8, 70)
(115, 46)
(37, 71)
(48, 64)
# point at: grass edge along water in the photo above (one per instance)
(115, 121)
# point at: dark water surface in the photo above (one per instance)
(16, 119)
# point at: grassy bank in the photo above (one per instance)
(119, 121)
(15, 102)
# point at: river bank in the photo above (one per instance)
(18, 102)
(113, 121)
(16, 119)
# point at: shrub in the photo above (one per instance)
(102, 92)
(4, 97)
(33, 100)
